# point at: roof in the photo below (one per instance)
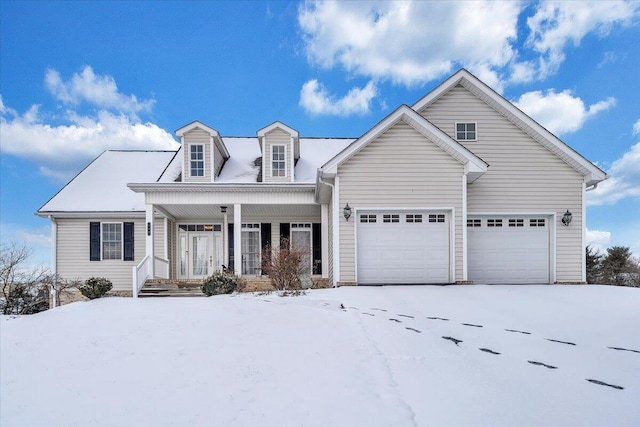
(102, 185)
(591, 172)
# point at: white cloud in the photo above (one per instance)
(636, 128)
(599, 240)
(37, 240)
(561, 112)
(413, 42)
(624, 181)
(408, 42)
(557, 24)
(315, 99)
(98, 90)
(61, 150)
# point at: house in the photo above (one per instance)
(461, 187)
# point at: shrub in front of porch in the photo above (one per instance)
(95, 287)
(219, 283)
(286, 266)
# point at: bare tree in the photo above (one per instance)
(24, 289)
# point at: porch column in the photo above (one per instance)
(149, 232)
(237, 238)
(225, 237)
(324, 237)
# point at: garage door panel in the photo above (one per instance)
(508, 254)
(406, 251)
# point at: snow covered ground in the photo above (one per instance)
(388, 359)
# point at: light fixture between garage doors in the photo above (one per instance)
(566, 218)
(347, 212)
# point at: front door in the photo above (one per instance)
(199, 251)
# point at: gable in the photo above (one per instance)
(463, 79)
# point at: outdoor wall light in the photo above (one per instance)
(347, 212)
(566, 218)
(223, 209)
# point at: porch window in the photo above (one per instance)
(250, 245)
(197, 160)
(278, 163)
(301, 238)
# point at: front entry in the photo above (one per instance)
(199, 250)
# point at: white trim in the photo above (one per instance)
(150, 238)
(54, 260)
(465, 254)
(165, 243)
(263, 148)
(291, 159)
(336, 231)
(450, 211)
(277, 125)
(237, 239)
(212, 159)
(455, 130)
(324, 239)
(184, 173)
(284, 146)
(584, 231)
(196, 125)
(552, 219)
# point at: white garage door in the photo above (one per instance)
(508, 249)
(403, 248)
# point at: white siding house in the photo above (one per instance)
(462, 187)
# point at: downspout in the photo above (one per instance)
(333, 196)
(54, 260)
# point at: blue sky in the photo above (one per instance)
(77, 78)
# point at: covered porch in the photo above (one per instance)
(193, 230)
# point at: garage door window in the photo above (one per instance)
(536, 222)
(436, 218)
(516, 223)
(391, 218)
(413, 218)
(494, 223)
(474, 223)
(368, 218)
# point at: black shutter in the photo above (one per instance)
(284, 233)
(94, 241)
(317, 248)
(231, 257)
(265, 236)
(128, 241)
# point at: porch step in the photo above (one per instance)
(171, 288)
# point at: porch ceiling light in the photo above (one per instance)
(223, 209)
(347, 212)
(567, 217)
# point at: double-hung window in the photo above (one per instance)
(111, 241)
(197, 159)
(278, 162)
(466, 132)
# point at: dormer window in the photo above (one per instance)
(197, 159)
(278, 162)
(466, 131)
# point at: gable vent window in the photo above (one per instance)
(197, 160)
(536, 222)
(390, 218)
(516, 223)
(278, 167)
(494, 223)
(413, 218)
(368, 218)
(474, 223)
(466, 131)
(436, 218)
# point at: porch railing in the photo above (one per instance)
(142, 272)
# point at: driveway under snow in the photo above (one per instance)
(394, 356)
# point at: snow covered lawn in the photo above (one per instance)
(395, 356)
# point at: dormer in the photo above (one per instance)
(280, 147)
(204, 153)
